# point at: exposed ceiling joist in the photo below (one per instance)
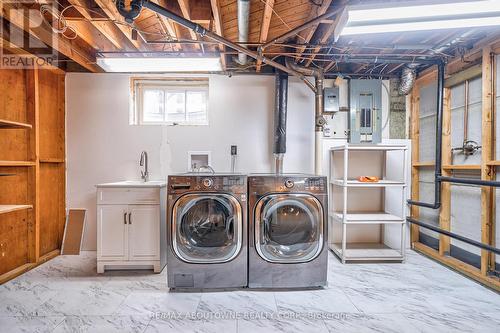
(73, 49)
(326, 36)
(218, 28)
(169, 26)
(109, 8)
(186, 12)
(106, 28)
(264, 27)
(307, 34)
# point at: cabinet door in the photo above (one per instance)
(112, 235)
(144, 232)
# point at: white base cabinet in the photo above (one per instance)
(131, 228)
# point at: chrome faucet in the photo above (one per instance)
(144, 162)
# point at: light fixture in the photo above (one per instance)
(357, 20)
(148, 65)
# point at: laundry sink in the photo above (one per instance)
(135, 183)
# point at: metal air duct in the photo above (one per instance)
(243, 18)
(407, 80)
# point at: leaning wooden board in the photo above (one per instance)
(73, 232)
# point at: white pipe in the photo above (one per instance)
(318, 153)
(243, 19)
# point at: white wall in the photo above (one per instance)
(103, 147)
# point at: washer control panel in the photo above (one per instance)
(226, 183)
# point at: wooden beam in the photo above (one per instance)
(108, 29)
(7, 46)
(445, 212)
(218, 28)
(306, 35)
(267, 13)
(326, 36)
(486, 156)
(415, 137)
(167, 25)
(109, 8)
(70, 48)
(186, 12)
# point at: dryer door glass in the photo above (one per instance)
(207, 228)
(289, 228)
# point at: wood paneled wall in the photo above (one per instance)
(32, 168)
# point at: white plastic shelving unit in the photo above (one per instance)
(367, 220)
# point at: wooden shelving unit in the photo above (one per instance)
(374, 212)
(32, 199)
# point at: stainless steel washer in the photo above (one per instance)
(207, 231)
(287, 231)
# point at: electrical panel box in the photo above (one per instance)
(330, 100)
(365, 115)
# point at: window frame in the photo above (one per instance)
(139, 86)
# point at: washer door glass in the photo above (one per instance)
(289, 228)
(207, 227)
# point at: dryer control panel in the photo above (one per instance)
(288, 183)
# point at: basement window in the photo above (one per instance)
(170, 101)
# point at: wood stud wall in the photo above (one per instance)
(33, 157)
(488, 163)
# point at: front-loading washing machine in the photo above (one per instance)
(287, 231)
(207, 231)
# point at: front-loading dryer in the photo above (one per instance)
(287, 231)
(207, 231)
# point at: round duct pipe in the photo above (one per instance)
(407, 80)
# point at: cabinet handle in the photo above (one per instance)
(129, 218)
(125, 218)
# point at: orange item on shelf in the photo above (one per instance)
(368, 179)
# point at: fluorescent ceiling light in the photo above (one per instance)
(145, 64)
(369, 20)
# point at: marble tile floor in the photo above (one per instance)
(67, 295)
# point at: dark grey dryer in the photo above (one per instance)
(287, 231)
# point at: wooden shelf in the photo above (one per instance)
(367, 251)
(52, 160)
(17, 163)
(7, 124)
(357, 183)
(423, 164)
(493, 163)
(462, 167)
(12, 208)
(368, 217)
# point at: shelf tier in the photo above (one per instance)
(13, 124)
(361, 147)
(368, 218)
(52, 160)
(16, 163)
(357, 183)
(367, 251)
(12, 208)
